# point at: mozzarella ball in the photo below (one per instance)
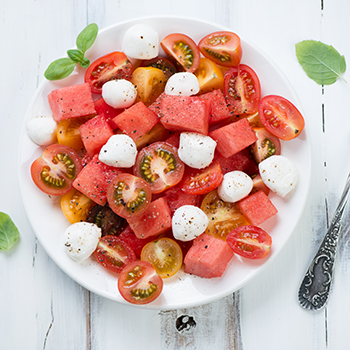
(184, 84)
(196, 150)
(189, 222)
(279, 174)
(119, 151)
(42, 130)
(235, 186)
(81, 239)
(119, 93)
(141, 42)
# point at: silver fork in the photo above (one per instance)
(314, 289)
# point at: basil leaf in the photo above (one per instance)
(85, 62)
(75, 55)
(322, 63)
(59, 69)
(8, 232)
(87, 37)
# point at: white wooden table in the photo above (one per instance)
(42, 308)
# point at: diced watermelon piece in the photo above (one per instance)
(174, 139)
(184, 113)
(218, 106)
(154, 221)
(71, 102)
(136, 120)
(233, 137)
(94, 179)
(208, 257)
(103, 108)
(155, 106)
(95, 133)
(177, 198)
(136, 244)
(257, 208)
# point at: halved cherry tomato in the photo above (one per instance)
(128, 195)
(76, 206)
(163, 64)
(266, 145)
(183, 50)
(139, 283)
(242, 89)
(202, 181)
(159, 165)
(224, 48)
(113, 253)
(209, 76)
(113, 66)
(223, 217)
(258, 184)
(165, 255)
(55, 171)
(149, 82)
(280, 117)
(250, 242)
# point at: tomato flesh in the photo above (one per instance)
(159, 165)
(251, 242)
(163, 64)
(209, 76)
(223, 48)
(280, 117)
(165, 255)
(113, 66)
(54, 172)
(202, 181)
(139, 283)
(267, 145)
(113, 253)
(242, 89)
(128, 196)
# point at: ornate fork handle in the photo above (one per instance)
(314, 289)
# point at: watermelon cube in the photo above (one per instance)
(94, 179)
(109, 112)
(155, 106)
(95, 133)
(136, 120)
(176, 198)
(154, 221)
(257, 208)
(233, 137)
(208, 256)
(218, 106)
(71, 102)
(184, 113)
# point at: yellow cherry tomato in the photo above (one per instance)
(209, 75)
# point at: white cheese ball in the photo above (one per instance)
(42, 130)
(196, 150)
(279, 174)
(235, 186)
(189, 222)
(119, 151)
(119, 93)
(81, 239)
(184, 84)
(141, 42)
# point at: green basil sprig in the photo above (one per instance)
(8, 232)
(63, 67)
(322, 63)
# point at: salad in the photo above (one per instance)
(166, 161)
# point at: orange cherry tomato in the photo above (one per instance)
(209, 76)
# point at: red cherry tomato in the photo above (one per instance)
(242, 89)
(202, 181)
(280, 117)
(183, 50)
(159, 165)
(251, 242)
(223, 48)
(128, 196)
(266, 145)
(55, 171)
(139, 283)
(113, 66)
(113, 253)
(163, 64)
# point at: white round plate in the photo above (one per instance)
(182, 290)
